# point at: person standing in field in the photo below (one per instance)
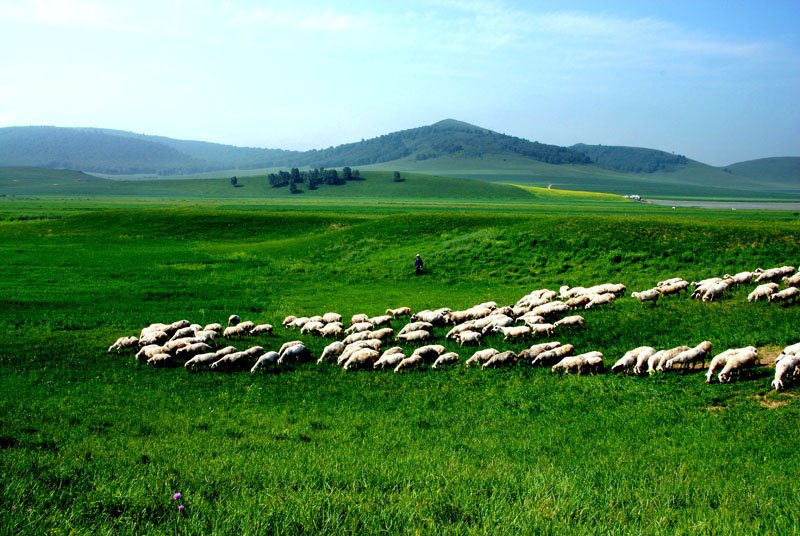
(418, 264)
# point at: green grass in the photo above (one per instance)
(97, 444)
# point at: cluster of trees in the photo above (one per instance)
(631, 159)
(312, 178)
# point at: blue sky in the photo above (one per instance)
(716, 81)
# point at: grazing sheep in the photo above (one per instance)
(329, 318)
(153, 337)
(295, 353)
(550, 309)
(690, 357)
(715, 291)
(438, 317)
(465, 326)
(334, 329)
(762, 291)
(720, 360)
(578, 302)
(233, 320)
(216, 326)
(269, 358)
(500, 360)
(383, 334)
(497, 321)
(709, 281)
(200, 360)
(359, 327)
(669, 354)
(355, 337)
(601, 299)
(785, 370)
(642, 359)
(311, 326)
(570, 321)
(123, 343)
(769, 275)
(285, 346)
(674, 288)
(628, 361)
(481, 356)
(233, 332)
(288, 320)
(350, 349)
(390, 358)
(400, 311)
(382, 320)
(183, 333)
(653, 361)
(450, 358)
(788, 295)
(414, 336)
(468, 337)
(205, 335)
(430, 352)
(191, 350)
(409, 362)
(514, 332)
(237, 360)
(534, 351)
(590, 361)
(170, 346)
(789, 350)
(160, 360)
(416, 326)
(298, 322)
(146, 352)
(358, 318)
(669, 282)
(531, 320)
(262, 329)
(792, 281)
(738, 363)
(740, 278)
(617, 289)
(545, 358)
(649, 295)
(366, 357)
(332, 350)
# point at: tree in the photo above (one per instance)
(397, 177)
(347, 173)
(234, 181)
(296, 175)
(356, 175)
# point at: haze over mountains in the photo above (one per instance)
(448, 147)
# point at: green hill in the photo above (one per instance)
(779, 170)
(631, 159)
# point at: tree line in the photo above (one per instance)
(312, 178)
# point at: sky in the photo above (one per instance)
(717, 81)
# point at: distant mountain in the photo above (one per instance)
(119, 152)
(780, 170)
(631, 159)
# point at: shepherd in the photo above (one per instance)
(418, 264)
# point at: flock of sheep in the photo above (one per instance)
(541, 313)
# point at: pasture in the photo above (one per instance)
(93, 443)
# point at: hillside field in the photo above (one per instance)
(93, 443)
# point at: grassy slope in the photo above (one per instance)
(98, 444)
(781, 170)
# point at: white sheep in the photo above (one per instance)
(691, 356)
(715, 291)
(601, 299)
(785, 370)
(669, 282)
(792, 281)
(628, 361)
(288, 320)
(334, 329)
(146, 352)
(269, 358)
(216, 326)
(500, 360)
(550, 309)
(390, 358)
(408, 363)
(674, 288)
(481, 356)
(464, 326)
(769, 275)
(358, 327)
(738, 363)
(200, 360)
(332, 350)
(298, 322)
(450, 358)
(262, 329)
(653, 361)
(642, 359)
(414, 336)
(762, 291)
(400, 311)
(233, 320)
(183, 333)
(430, 352)
(191, 350)
(382, 320)
(545, 358)
(497, 321)
(531, 353)
(788, 295)
(468, 337)
(740, 278)
(160, 360)
(383, 334)
(789, 350)
(123, 343)
(358, 318)
(514, 332)
(355, 337)
(416, 326)
(153, 337)
(330, 318)
(294, 353)
(366, 357)
(649, 295)
(233, 332)
(350, 349)
(570, 321)
(288, 344)
(720, 360)
(311, 326)
(590, 361)
(669, 354)
(438, 317)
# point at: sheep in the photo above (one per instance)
(649, 295)
(591, 361)
(183, 333)
(414, 336)
(390, 358)
(570, 321)
(669, 282)
(268, 358)
(737, 363)
(329, 318)
(232, 332)
(294, 353)
(358, 318)
(334, 329)
(311, 326)
(506, 310)
(551, 308)
(740, 278)
(171, 346)
(577, 302)
(601, 299)
(262, 329)
(715, 291)
(692, 356)
(616, 289)
(381, 334)
(769, 275)
(720, 360)
(531, 320)
(669, 354)
(789, 350)
(350, 349)
(788, 295)
(200, 360)
(400, 311)
(298, 322)
(377, 321)
(146, 352)
(653, 360)
(359, 327)
(160, 360)
(785, 370)
(416, 326)
(642, 359)
(437, 318)
(629, 360)
(545, 358)
(360, 336)
(408, 362)
(366, 357)
(205, 335)
(450, 358)
(288, 320)
(762, 291)
(674, 288)
(288, 344)
(332, 350)
(465, 326)
(192, 350)
(534, 351)
(542, 329)
(233, 320)
(481, 356)
(791, 281)
(704, 282)
(468, 337)
(429, 352)
(497, 321)
(153, 337)
(216, 326)
(515, 332)
(123, 343)
(234, 361)
(500, 359)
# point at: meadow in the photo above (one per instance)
(93, 443)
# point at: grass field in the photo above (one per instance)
(93, 443)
